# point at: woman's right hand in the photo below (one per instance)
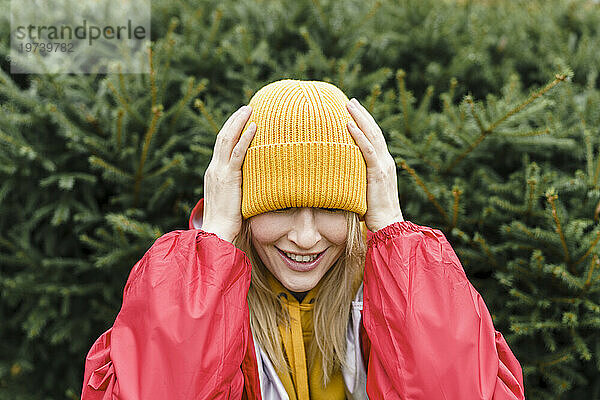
(223, 177)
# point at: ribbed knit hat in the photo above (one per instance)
(302, 154)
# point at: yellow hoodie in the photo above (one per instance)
(302, 384)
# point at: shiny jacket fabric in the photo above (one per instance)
(183, 330)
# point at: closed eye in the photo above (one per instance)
(320, 208)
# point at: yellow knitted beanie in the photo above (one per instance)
(302, 154)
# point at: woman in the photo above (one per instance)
(276, 293)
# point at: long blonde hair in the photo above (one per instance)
(332, 302)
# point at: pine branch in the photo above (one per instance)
(98, 162)
(484, 133)
(569, 300)
(170, 45)
(551, 197)
(322, 16)
(156, 113)
(523, 297)
(481, 240)
(400, 75)
(490, 129)
(199, 104)
(361, 42)
(341, 71)
(559, 272)
(529, 328)
(538, 259)
(177, 160)
(565, 355)
(369, 15)
(591, 306)
(74, 132)
(22, 147)
(125, 104)
(507, 205)
(425, 154)
(596, 172)
(94, 244)
(161, 192)
(580, 345)
(595, 262)
(530, 133)
(447, 100)
(314, 48)
(549, 341)
(214, 29)
(422, 113)
(375, 92)
(191, 91)
(120, 114)
(409, 147)
(152, 80)
(430, 196)
(589, 152)
(456, 192)
(122, 86)
(589, 250)
(557, 79)
(531, 182)
(129, 225)
(201, 149)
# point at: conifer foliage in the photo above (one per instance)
(491, 110)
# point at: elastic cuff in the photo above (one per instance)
(393, 230)
(202, 233)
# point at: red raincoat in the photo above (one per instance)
(183, 330)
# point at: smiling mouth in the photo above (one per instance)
(299, 258)
(301, 266)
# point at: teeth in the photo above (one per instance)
(301, 258)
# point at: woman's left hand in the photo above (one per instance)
(383, 204)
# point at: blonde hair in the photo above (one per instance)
(332, 302)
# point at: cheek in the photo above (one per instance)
(267, 228)
(335, 229)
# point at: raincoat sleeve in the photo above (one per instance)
(183, 327)
(431, 335)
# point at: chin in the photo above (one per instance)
(299, 285)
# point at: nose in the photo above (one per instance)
(305, 232)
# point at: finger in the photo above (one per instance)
(367, 124)
(236, 129)
(239, 151)
(227, 137)
(364, 111)
(240, 122)
(231, 118)
(366, 147)
(218, 153)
